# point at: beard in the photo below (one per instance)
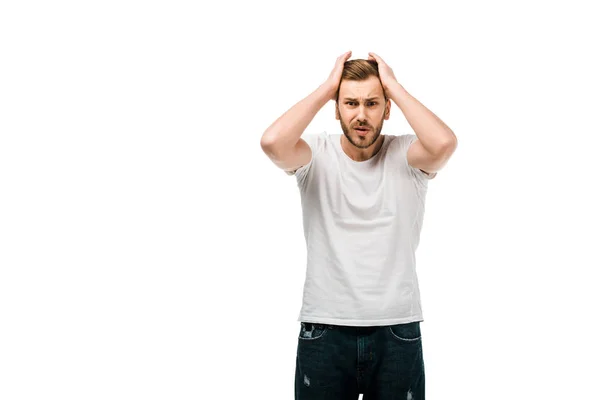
(362, 142)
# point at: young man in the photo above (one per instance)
(363, 197)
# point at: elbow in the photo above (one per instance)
(449, 144)
(270, 137)
(266, 141)
(272, 141)
(270, 144)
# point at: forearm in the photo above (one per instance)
(284, 133)
(432, 132)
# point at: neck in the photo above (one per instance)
(358, 154)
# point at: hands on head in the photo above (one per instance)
(333, 82)
(386, 75)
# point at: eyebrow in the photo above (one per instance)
(353, 99)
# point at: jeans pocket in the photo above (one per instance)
(409, 332)
(312, 331)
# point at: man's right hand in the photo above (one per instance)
(333, 82)
(282, 140)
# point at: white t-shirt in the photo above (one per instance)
(362, 222)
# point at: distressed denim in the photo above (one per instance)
(336, 362)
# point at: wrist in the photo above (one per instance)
(326, 91)
(395, 86)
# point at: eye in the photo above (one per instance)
(350, 102)
(373, 102)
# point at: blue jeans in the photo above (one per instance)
(335, 362)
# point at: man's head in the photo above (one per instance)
(361, 102)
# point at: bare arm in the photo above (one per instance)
(435, 140)
(281, 141)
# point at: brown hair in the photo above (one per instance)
(359, 70)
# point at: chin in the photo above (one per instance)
(364, 141)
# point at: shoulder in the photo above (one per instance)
(316, 142)
(400, 144)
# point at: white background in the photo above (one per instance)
(150, 250)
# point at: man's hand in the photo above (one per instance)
(333, 82)
(386, 75)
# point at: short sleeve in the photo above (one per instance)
(315, 142)
(406, 141)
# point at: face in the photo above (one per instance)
(361, 104)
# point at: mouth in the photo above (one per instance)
(362, 131)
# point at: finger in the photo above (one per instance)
(344, 57)
(376, 57)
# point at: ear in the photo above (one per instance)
(388, 107)
(337, 111)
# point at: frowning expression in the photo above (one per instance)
(361, 109)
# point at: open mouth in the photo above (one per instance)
(362, 131)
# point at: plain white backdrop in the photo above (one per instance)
(150, 250)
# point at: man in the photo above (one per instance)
(363, 197)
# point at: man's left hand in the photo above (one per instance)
(386, 75)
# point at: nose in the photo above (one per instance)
(362, 117)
